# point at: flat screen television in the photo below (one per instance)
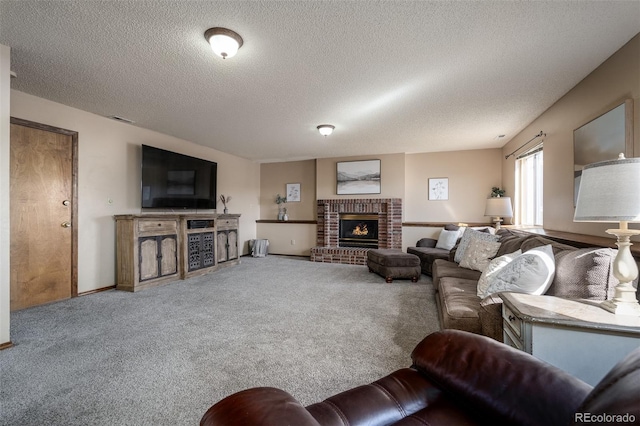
(176, 181)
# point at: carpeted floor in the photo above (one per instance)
(164, 355)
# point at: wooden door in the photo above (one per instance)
(222, 246)
(149, 258)
(168, 255)
(158, 256)
(232, 241)
(43, 199)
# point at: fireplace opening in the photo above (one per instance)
(358, 230)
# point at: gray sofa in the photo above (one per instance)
(427, 251)
(584, 273)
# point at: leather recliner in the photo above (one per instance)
(457, 378)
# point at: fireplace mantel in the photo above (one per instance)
(388, 210)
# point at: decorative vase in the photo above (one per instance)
(285, 217)
(280, 213)
(226, 210)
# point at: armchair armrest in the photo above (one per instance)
(499, 381)
(258, 406)
(426, 242)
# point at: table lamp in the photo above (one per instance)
(610, 192)
(498, 207)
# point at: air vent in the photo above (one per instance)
(118, 118)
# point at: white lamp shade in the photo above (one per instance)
(499, 207)
(609, 192)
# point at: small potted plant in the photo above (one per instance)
(282, 211)
(496, 192)
(225, 200)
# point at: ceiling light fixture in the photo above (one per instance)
(224, 42)
(326, 129)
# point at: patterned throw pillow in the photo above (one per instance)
(447, 239)
(532, 272)
(466, 239)
(493, 268)
(478, 254)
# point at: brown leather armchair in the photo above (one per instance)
(457, 378)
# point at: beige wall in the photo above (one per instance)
(391, 174)
(318, 181)
(471, 175)
(610, 84)
(274, 178)
(288, 238)
(5, 94)
(109, 168)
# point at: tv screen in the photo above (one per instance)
(176, 181)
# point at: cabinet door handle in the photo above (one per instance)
(512, 318)
(66, 224)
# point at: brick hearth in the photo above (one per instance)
(389, 211)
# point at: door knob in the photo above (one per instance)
(66, 224)
(66, 202)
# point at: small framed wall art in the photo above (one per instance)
(438, 189)
(293, 192)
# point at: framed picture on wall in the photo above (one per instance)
(438, 189)
(358, 177)
(293, 192)
(601, 139)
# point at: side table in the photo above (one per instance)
(577, 336)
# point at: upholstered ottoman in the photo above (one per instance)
(394, 264)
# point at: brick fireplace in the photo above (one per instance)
(389, 232)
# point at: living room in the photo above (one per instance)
(109, 173)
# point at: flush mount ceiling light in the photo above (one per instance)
(326, 129)
(224, 42)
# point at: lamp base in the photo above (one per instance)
(624, 302)
(497, 222)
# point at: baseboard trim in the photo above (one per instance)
(98, 290)
(6, 345)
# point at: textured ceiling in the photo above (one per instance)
(392, 76)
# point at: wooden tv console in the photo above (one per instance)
(154, 249)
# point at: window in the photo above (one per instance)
(529, 188)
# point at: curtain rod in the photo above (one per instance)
(541, 134)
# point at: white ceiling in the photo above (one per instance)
(392, 76)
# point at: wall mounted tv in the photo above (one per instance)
(175, 181)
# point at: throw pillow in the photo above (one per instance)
(531, 272)
(478, 254)
(492, 268)
(584, 274)
(466, 239)
(447, 239)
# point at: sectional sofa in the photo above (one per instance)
(580, 273)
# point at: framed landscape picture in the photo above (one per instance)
(438, 189)
(601, 139)
(358, 177)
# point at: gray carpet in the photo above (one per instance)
(165, 354)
